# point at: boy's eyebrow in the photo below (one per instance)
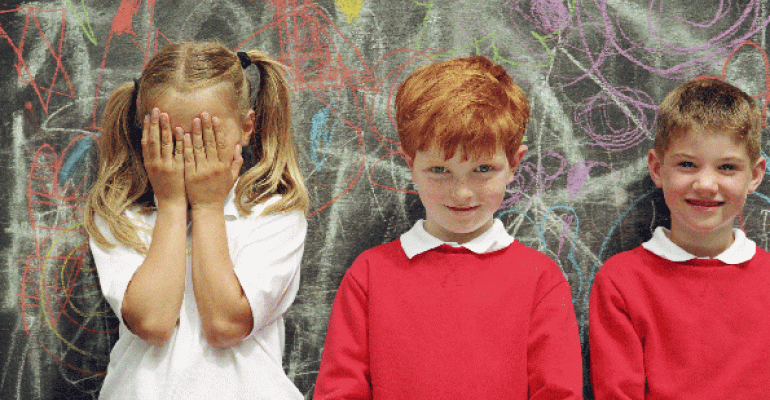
(731, 158)
(734, 160)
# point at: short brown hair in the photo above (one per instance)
(712, 104)
(468, 104)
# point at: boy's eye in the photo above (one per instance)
(728, 167)
(483, 168)
(439, 170)
(686, 164)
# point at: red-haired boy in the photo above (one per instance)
(685, 315)
(455, 308)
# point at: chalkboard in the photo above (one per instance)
(593, 70)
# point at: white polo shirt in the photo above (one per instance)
(266, 252)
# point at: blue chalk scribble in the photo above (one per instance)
(321, 135)
(76, 158)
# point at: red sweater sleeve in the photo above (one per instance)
(617, 356)
(554, 363)
(344, 370)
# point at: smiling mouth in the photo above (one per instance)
(460, 209)
(705, 203)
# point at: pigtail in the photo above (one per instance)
(121, 179)
(276, 169)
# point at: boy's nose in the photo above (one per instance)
(461, 190)
(706, 181)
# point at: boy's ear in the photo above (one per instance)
(757, 173)
(247, 126)
(514, 163)
(653, 165)
(517, 157)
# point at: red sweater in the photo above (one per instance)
(692, 330)
(452, 324)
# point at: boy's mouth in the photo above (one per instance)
(461, 209)
(704, 203)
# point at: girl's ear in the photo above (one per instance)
(653, 165)
(247, 126)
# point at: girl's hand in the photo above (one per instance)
(210, 167)
(163, 163)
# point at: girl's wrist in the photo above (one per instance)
(205, 209)
(175, 206)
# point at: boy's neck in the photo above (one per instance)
(703, 244)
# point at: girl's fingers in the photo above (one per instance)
(189, 155)
(235, 167)
(146, 137)
(220, 138)
(151, 135)
(167, 139)
(179, 145)
(209, 141)
(198, 147)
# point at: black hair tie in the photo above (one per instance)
(135, 124)
(132, 107)
(245, 59)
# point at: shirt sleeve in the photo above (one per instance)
(115, 266)
(267, 263)
(617, 358)
(554, 361)
(344, 370)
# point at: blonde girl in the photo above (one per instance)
(197, 227)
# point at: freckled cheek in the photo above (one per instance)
(429, 192)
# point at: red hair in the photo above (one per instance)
(468, 104)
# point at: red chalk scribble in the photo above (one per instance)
(59, 293)
(123, 25)
(31, 28)
(323, 61)
(766, 64)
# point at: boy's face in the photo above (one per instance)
(705, 177)
(460, 196)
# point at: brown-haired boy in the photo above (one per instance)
(455, 308)
(685, 315)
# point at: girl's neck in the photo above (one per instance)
(702, 244)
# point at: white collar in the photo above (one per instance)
(417, 240)
(740, 251)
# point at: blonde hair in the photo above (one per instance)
(468, 104)
(271, 168)
(710, 104)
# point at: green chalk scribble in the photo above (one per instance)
(87, 29)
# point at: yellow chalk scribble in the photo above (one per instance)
(351, 8)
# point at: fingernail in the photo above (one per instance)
(205, 116)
